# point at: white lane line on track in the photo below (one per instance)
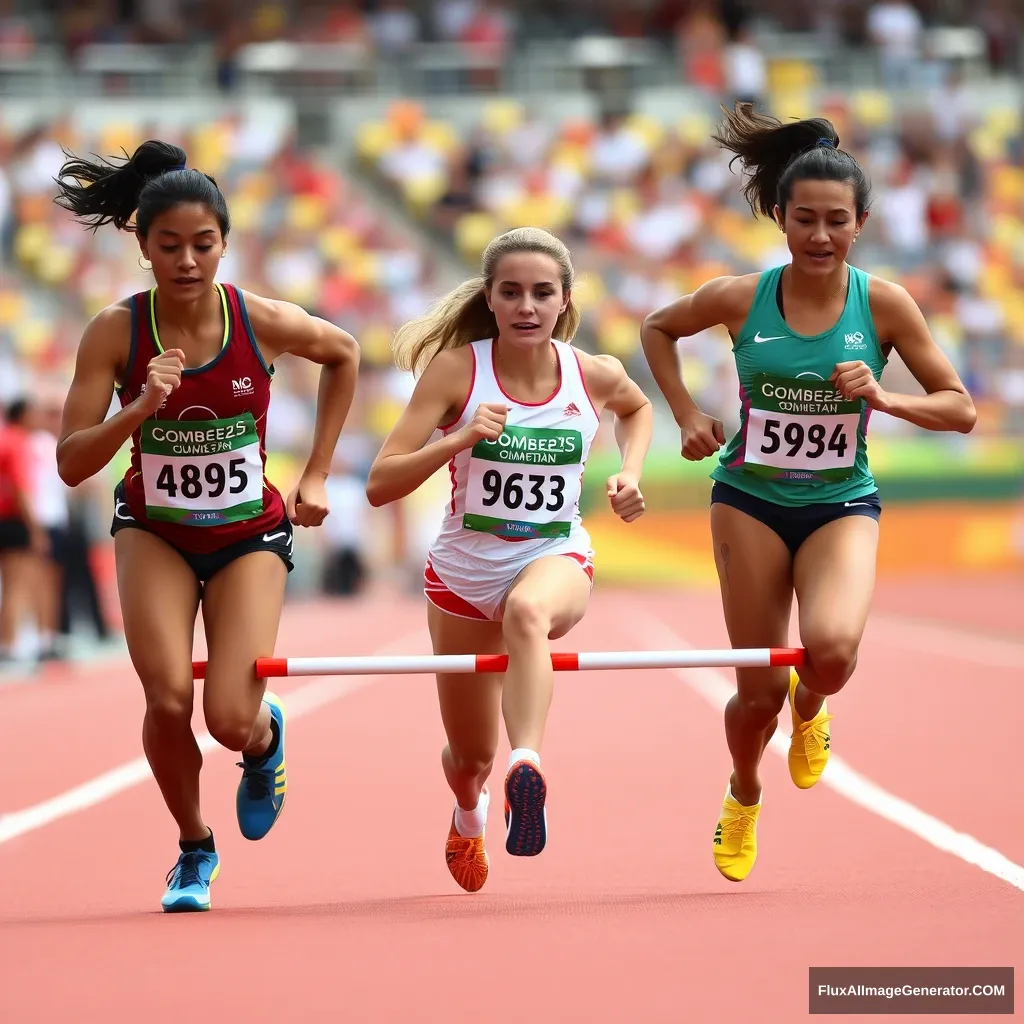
(303, 700)
(716, 688)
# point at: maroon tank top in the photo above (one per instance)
(198, 466)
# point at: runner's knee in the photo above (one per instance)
(833, 657)
(230, 727)
(472, 763)
(524, 618)
(758, 706)
(168, 702)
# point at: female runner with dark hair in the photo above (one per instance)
(794, 507)
(196, 521)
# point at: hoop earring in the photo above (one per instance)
(150, 267)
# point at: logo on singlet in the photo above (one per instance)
(758, 340)
(855, 340)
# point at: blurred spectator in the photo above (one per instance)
(23, 540)
(49, 499)
(895, 27)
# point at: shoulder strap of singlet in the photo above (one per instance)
(139, 325)
(241, 323)
(767, 284)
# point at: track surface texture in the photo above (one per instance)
(346, 910)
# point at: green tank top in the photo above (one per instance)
(799, 442)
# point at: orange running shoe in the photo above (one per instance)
(467, 859)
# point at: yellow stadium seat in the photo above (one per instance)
(499, 117)
(246, 211)
(116, 136)
(256, 185)
(872, 107)
(422, 192)
(625, 205)
(695, 372)
(31, 244)
(618, 336)
(791, 75)
(375, 344)
(440, 135)
(373, 140)
(988, 143)
(542, 211)
(1007, 184)
(364, 268)
(58, 265)
(588, 291)
(695, 129)
(269, 20)
(383, 415)
(339, 243)
(306, 212)
(209, 148)
(648, 129)
(792, 104)
(11, 307)
(31, 337)
(472, 233)
(575, 158)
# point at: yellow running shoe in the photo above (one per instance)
(809, 746)
(736, 838)
(467, 859)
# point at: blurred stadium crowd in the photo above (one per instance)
(366, 239)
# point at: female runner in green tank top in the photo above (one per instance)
(794, 505)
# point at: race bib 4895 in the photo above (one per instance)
(204, 472)
(800, 430)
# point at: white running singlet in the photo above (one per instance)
(515, 499)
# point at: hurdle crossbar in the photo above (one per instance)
(583, 661)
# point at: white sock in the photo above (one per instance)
(523, 754)
(470, 824)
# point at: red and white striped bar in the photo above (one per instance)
(585, 661)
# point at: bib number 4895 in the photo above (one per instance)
(210, 482)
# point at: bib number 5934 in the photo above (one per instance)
(513, 490)
(209, 482)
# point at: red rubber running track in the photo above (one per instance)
(347, 912)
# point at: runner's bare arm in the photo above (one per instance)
(87, 441)
(613, 389)
(946, 404)
(403, 463)
(285, 328)
(723, 301)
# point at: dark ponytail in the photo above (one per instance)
(777, 155)
(150, 182)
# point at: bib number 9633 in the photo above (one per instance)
(538, 491)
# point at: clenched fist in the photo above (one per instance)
(625, 497)
(163, 377)
(701, 436)
(854, 379)
(307, 505)
(486, 425)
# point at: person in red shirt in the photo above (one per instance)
(196, 521)
(22, 540)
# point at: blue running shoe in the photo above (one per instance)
(188, 882)
(526, 818)
(264, 782)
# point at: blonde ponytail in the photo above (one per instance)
(463, 315)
